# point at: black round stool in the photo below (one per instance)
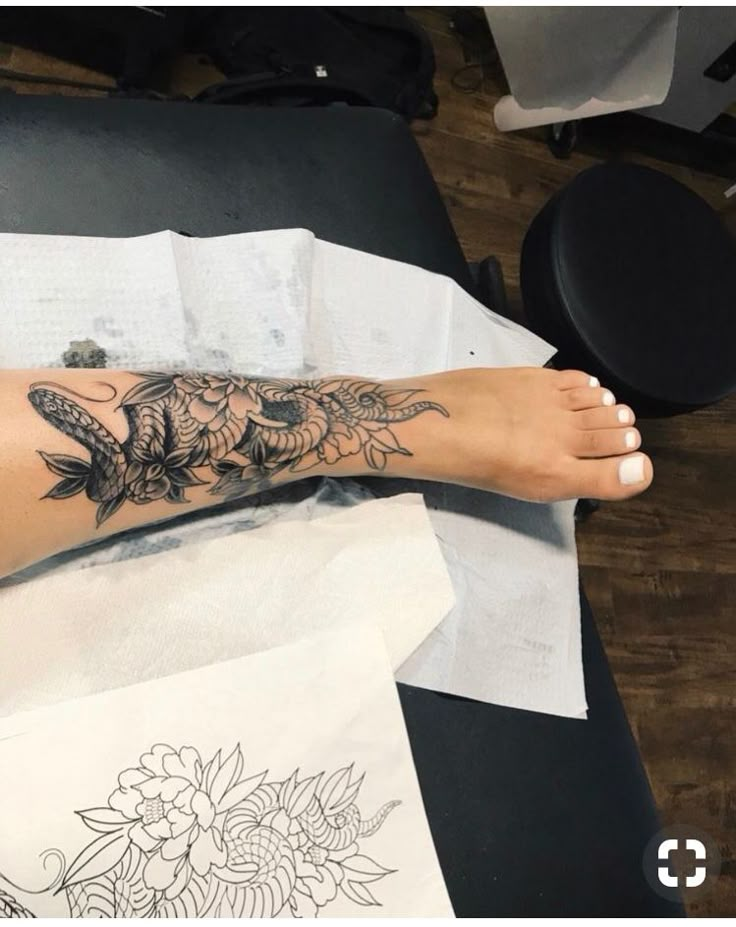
(632, 277)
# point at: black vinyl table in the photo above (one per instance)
(531, 814)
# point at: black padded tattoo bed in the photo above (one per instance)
(530, 814)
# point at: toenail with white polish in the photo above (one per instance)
(624, 416)
(608, 399)
(631, 470)
(630, 439)
(594, 381)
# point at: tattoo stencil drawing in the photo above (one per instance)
(245, 430)
(179, 838)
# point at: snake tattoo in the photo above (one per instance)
(243, 430)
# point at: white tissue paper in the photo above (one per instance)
(285, 303)
(225, 597)
(280, 783)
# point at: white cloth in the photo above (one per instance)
(326, 707)
(285, 303)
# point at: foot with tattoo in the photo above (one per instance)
(88, 453)
(531, 433)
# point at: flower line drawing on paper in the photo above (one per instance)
(180, 838)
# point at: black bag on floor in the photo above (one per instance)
(290, 56)
(316, 55)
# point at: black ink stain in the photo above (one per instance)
(84, 354)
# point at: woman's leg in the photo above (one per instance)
(87, 453)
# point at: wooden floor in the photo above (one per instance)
(659, 570)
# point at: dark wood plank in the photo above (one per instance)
(28, 61)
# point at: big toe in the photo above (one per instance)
(614, 477)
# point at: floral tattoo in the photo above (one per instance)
(186, 427)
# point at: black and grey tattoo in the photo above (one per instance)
(242, 430)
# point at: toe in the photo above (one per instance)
(576, 379)
(604, 417)
(587, 397)
(614, 478)
(605, 442)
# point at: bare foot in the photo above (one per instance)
(527, 432)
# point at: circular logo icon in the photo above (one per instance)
(680, 861)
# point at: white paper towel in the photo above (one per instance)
(119, 623)
(574, 63)
(284, 303)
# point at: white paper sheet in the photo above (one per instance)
(285, 303)
(125, 622)
(522, 663)
(139, 792)
(619, 59)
